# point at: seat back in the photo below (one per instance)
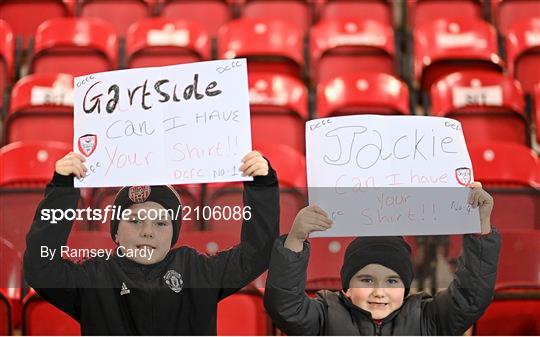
(34, 13)
(279, 109)
(443, 46)
(40, 318)
(211, 14)
(357, 93)
(507, 12)
(489, 105)
(420, 11)
(161, 41)
(504, 164)
(340, 46)
(76, 46)
(120, 13)
(270, 45)
(523, 52)
(41, 102)
(380, 10)
(294, 12)
(326, 259)
(519, 261)
(242, 313)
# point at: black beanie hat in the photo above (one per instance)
(164, 195)
(391, 251)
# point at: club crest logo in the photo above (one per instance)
(87, 144)
(463, 176)
(174, 280)
(139, 194)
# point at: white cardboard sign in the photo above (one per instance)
(165, 125)
(390, 175)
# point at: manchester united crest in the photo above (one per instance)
(87, 144)
(174, 280)
(139, 194)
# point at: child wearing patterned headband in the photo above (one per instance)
(175, 291)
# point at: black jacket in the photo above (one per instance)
(449, 312)
(91, 292)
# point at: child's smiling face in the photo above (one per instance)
(142, 233)
(376, 289)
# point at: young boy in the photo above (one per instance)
(376, 276)
(154, 290)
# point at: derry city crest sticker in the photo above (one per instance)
(174, 280)
(87, 144)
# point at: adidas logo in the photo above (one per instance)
(125, 289)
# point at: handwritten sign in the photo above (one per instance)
(164, 125)
(390, 175)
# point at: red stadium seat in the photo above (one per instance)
(510, 173)
(380, 10)
(523, 51)
(41, 102)
(519, 261)
(7, 55)
(30, 163)
(190, 195)
(25, 16)
(25, 168)
(504, 164)
(161, 42)
(11, 284)
(271, 46)
(420, 11)
(341, 46)
(444, 46)
(6, 314)
(75, 46)
(211, 14)
(40, 318)
(294, 12)
(326, 259)
(507, 12)
(356, 93)
(120, 13)
(290, 166)
(279, 109)
(489, 105)
(513, 312)
(243, 314)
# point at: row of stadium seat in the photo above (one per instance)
(335, 46)
(212, 14)
(243, 313)
(490, 106)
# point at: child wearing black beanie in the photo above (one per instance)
(376, 276)
(169, 291)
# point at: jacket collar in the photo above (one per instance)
(360, 313)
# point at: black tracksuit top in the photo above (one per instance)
(90, 291)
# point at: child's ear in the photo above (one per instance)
(116, 239)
